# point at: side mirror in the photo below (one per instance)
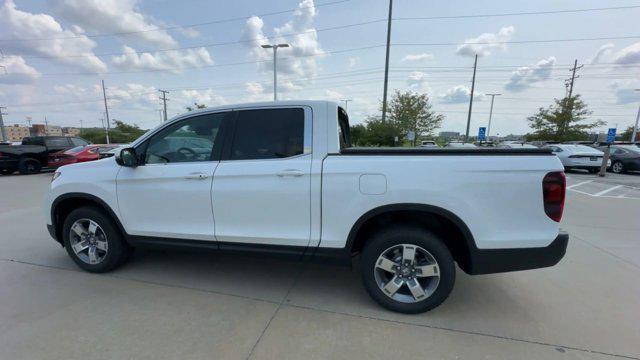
(127, 157)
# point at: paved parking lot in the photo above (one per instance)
(165, 305)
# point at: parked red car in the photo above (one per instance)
(78, 154)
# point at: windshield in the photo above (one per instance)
(75, 150)
(582, 148)
(631, 148)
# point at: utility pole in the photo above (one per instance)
(29, 124)
(164, 99)
(346, 103)
(491, 113)
(275, 62)
(46, 126)
(635, 127)
(80, 127)
(2, 130)
(569, 83)
(473, 85)
(106, 109)
(386, 65)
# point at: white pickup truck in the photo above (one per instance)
(282, 177)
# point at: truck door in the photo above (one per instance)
(262, 187)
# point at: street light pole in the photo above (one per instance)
(275, 62)
(491, 113)
(635, 127)
(386, 64)
(346, 104)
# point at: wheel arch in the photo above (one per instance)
(456, 234)
(64, 204)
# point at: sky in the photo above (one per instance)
(55, 54)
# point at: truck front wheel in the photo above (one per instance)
(93, 240)
(407, 269)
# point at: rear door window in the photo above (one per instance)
(268, 134)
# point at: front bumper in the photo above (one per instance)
(489, 261)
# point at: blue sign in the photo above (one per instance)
(481, 133)
(611, 135)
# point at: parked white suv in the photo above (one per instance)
(282, 177)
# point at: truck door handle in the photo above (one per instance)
(290, 172)
(197, 176)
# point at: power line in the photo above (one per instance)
(330, 52)
(444, 17)
(520, 13)
(173, 27)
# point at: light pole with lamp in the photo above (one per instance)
(275, 61)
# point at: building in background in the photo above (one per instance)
(46, 130)
(449, 135)
(71, 131)
(15, 133)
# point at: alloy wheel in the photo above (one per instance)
(88, 241)
(407, 273)
(617, 167)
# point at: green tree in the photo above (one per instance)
(380, 133)
(626, 135)
(195, 106)
(120, 133)
(562, 121)
(358, 133)
(410, 111)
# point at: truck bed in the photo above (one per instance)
(441, 151)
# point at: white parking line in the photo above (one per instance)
(578, 184)
(607, 190)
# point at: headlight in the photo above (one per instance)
(55, 176)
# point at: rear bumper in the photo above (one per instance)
(489, 261)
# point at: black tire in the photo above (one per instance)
(7, 171)
(118, 250)
(618, 167)
(397, 235)
(594, 170)
(28, 166)
(567, 168)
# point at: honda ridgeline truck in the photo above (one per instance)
(282, 177)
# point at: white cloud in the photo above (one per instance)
(333, 95)
(17, 25)
(207, 97)
(417, 57)
(299, 33)
(16, 71)
(133, 94)
(527, 75)
(173, 60)
(484, 44)
(417, 81)
(602, 52)
(459, 94)
(625, 91)
(114, 16)
(628, 55)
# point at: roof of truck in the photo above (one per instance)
(259, 104)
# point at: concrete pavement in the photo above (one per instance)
(167, 305)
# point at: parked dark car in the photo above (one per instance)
(33, 154)
(624, 158)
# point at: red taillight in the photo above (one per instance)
(553, 190)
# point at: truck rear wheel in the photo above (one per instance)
(93, 241)
(28, 166)
(407, 269)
